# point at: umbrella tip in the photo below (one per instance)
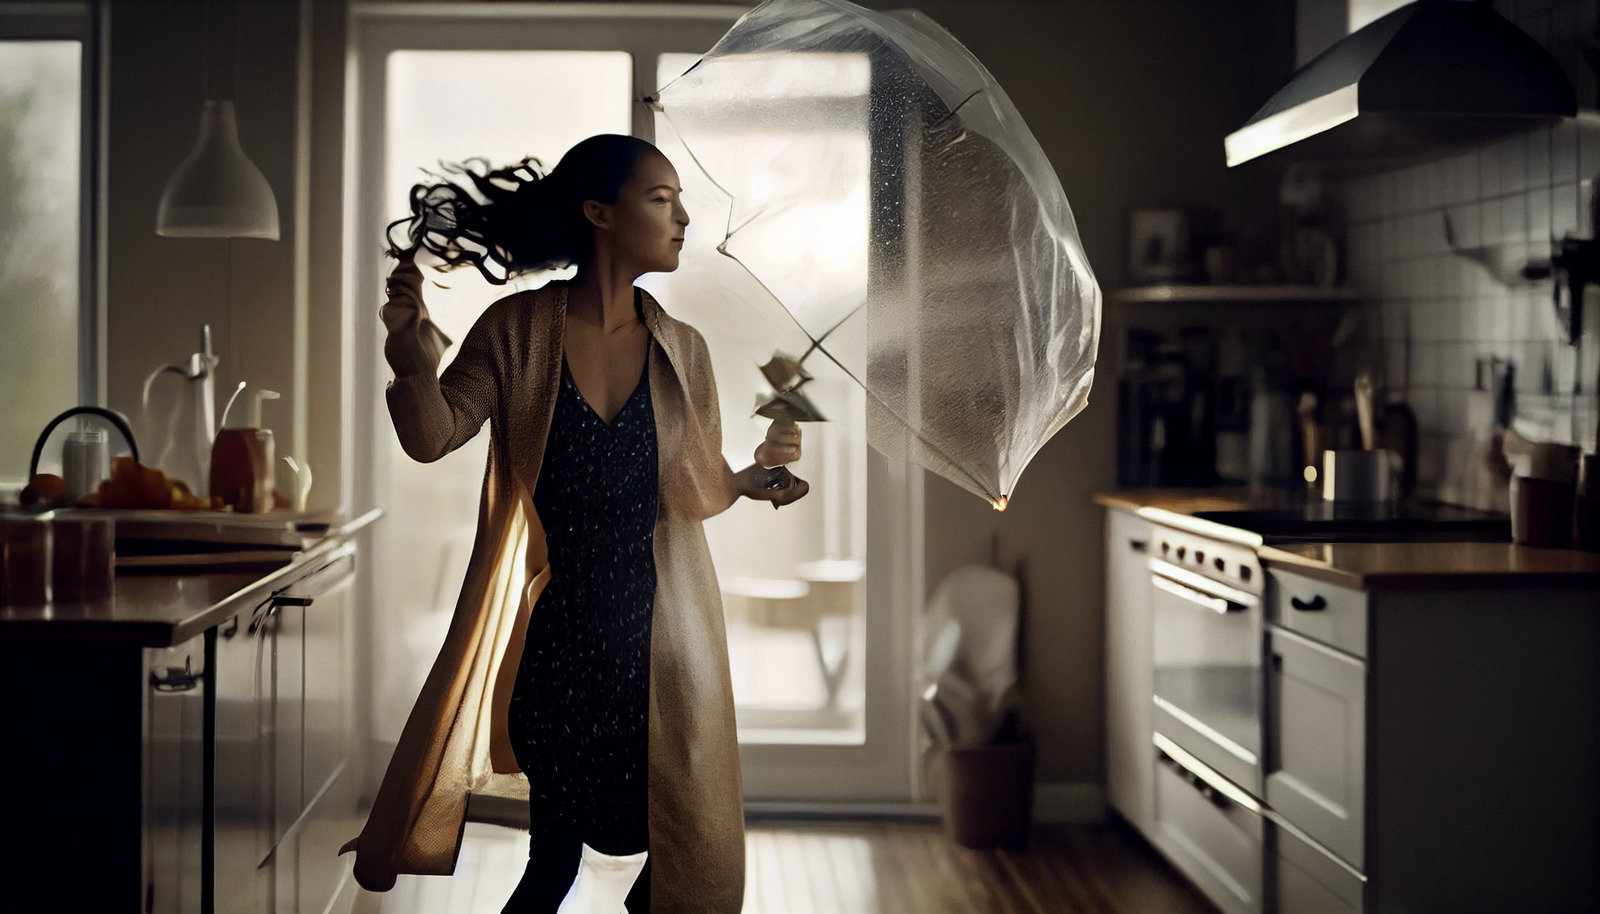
(1000, 503)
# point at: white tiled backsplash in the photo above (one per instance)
(1457, 320)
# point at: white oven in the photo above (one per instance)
(1208, 649)
(1212, 831)
(1208, 645)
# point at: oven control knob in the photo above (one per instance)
(1182, 550)
(1166, 547)
(1219, 564)
(1244, 572)
(1199, 557)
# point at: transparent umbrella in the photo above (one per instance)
(974, 325)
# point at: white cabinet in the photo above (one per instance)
(1429, 739)
(330, 776)
(285, 792)
(1316, 727)
(1335, 616)
(1306, 879)
(174, 789)
(1130, 760)
(1432, 748)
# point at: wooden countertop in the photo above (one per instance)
(1436, 566)
(1369, 566)
(1188, 501)
(159, 609)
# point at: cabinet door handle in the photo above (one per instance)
(176, 680)
(1317, 604)
(270, 608)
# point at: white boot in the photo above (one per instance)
(603, 883)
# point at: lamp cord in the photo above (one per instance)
(205, 50)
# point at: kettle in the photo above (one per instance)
(85, 455)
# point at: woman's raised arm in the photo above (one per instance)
(432, 416)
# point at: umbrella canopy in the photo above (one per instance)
(974, 321)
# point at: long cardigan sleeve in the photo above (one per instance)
(432, 414)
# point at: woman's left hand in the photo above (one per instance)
(750, 483)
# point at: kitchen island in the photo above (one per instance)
(187, 743)
(1407, 725)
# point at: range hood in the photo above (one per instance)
(1427, 77)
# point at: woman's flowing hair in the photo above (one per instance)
(517, 219)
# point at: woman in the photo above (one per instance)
(613, 694)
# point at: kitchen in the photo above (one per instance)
(1131, 102)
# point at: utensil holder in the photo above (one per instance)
(1364, 477)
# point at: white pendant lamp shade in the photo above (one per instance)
(218, 192)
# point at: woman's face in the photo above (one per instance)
(648, 220)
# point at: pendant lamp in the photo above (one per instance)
(218, 192)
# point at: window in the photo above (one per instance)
(48, 327)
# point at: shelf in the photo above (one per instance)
(1210, 293)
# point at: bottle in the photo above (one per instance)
(242, 461)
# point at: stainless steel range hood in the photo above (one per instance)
(1425, 78)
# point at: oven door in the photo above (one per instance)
(1212, 831)
(1208, 653)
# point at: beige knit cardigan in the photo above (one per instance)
(454, 743)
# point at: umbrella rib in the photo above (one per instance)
(700, 165)
(957, 109)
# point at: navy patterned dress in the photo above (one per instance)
(580, 706)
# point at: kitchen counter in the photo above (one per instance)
(1403, 564)
(1436, 566)
(161, 609)
(1188, 501)
(1324, 726)
(203, 719)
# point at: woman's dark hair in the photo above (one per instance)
(516, 219)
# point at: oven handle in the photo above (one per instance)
(1180, 583)
(1216, 604)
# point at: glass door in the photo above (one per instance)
(818, 621)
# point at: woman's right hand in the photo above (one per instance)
(414, 344)
(781, 445)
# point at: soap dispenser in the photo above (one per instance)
(242, 459)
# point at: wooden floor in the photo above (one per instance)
(803, 867)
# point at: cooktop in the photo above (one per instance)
(1326, 521)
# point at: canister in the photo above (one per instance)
(1543, 484)
(1360, 476)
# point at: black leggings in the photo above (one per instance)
(554, 851)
